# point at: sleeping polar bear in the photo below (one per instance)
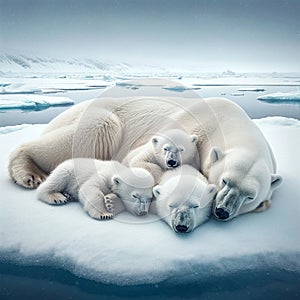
(164, 151)
(230, 145)
(95, 183)
(183, 199)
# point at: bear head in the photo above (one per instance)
(134, 187)
(174, 148)
(243, 184)
(184, 202)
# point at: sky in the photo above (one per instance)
(207, 35)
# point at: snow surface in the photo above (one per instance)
(281, 97)
(251, 89)
(135, 250)
(49, 85)
(30, 101)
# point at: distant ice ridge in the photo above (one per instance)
(281, 97)
(33, 102)
(49, 86)
(136, 250)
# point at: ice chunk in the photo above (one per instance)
(180, 88)
(19, 89)
(251, 89)
(32, 101)
(281, 97)
(237, 94)
(136, 250)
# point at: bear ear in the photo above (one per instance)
(275, 181)
(154, 140)
(116, 180)
(194, 138)
(157, 191)
(216, 154)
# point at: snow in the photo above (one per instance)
(19, 89)
(50, 85)
(180, 88)
(281, 97)
(35, 102)
(135, 250)
(251, 89)
(237, 94)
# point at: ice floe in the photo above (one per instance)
(281, 97)
(32, 102)
(135, 250)
(251, 89)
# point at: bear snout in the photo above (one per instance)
(221, 213)
(182, 222)
(182, 228)
(172, 163)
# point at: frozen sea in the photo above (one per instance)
(41, 263)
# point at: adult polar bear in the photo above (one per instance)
(233, 152)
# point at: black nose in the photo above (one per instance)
(142, 213)
(172, 163)
(222, 214)
(182, 228)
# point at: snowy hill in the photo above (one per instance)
(30, 64)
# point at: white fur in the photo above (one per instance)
(183, 199)
(99, 185)
(173, 145)
(111, 128)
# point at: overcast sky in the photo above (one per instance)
(245, 35)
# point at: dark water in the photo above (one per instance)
(24, 282)
(255, 108)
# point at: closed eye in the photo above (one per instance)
(224, 182)
(171, 206)
(135, 196)
(196, 206)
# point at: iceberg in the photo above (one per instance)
(32, 102)
(132, 250)
(291, 97)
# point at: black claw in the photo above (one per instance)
(55, 201)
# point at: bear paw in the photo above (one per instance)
(109, 201)
(31, 181)
(56, 199)
(99, 215)
(263, 206)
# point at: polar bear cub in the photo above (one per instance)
(165, 151)
(96, 183)
(183, 199)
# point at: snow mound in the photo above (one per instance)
(281, 97)
(135, 250)
(33, 102)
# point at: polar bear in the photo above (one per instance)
(164, 151)
(183, 199)
(95, 184)
(109, 128)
